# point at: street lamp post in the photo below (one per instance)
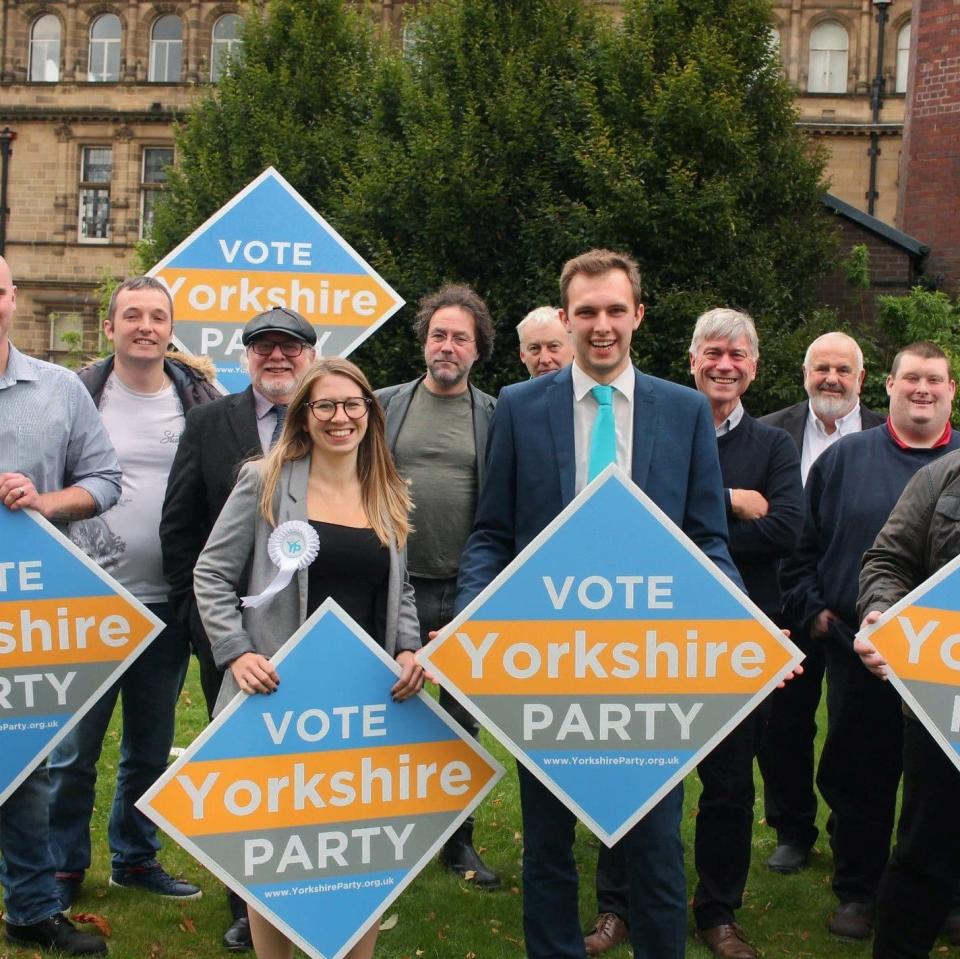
(876, 102)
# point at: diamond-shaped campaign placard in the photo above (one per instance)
(268, 247)
(321, 802)
(919, 637)
(67, 633)
(611, 655)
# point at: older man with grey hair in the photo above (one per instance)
(764, 504)
(545, 344)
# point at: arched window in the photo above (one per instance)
(45, 49)
(104, 61)
(828, 58)
(903, 58)
(226, 44)
(166, 46)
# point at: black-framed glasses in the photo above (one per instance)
(355, 407)
(289, 348)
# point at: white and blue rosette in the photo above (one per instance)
(292, 546)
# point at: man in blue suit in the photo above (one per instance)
(538, 459)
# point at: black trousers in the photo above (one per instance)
(435, 600)
(724, 830)
(786, 753)
(916, 891)
(859, 772)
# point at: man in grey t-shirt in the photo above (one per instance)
(142, 393)
(437, 430)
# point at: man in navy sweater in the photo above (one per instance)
(850, 492)
(764, 496)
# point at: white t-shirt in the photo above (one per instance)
(125, 540)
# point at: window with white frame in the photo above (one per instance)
(104, 60)
(45, 49)
(226, 44)
(153, 178)
(903, 58)
(829, 48)
(96, 170)
(166, 49)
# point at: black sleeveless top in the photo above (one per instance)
(353, 568)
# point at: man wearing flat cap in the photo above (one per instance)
(216, 440)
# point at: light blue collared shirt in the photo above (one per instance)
(50, 430)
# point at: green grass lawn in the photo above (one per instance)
(439, 916)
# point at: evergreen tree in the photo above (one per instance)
(295, 99)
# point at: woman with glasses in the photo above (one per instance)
(330, 468)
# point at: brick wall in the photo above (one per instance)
(891, 274)
(930, 181)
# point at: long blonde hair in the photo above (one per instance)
(386, 500)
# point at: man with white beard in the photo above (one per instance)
(833, 374)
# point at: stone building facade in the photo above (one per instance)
(90, 90)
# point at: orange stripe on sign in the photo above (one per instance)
(269, 792)
(610, 658)
(51, 632)
(922, 644)
(234, 296)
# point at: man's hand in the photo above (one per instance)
(254, 674)
(867, 651)
(748, 504)
(820, 625)
(18, 492)
(59, 506)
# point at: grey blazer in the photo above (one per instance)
(238, 542)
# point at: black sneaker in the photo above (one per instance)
(59, 935)
(152, 877)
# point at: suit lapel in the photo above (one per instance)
(644, 428)
(242, 417)
(560, 411)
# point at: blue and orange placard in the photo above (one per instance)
(319, 803)
(268, 247)
(919, 637)
(611, 655)
(67, 633)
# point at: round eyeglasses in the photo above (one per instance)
(355, 407)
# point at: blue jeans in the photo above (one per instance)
(652, 853)
(27, 868)
(149, 690)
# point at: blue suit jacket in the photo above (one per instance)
(531, 470)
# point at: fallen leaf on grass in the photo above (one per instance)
(469, 955)
(187, 924)
(156, 950)
(389, 923)
(470, 873)
(92, 919)
(419, 952)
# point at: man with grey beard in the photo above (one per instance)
(833, 375)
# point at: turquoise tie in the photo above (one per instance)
(603, 437)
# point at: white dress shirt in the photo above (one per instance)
(585, 412)
(816, 439)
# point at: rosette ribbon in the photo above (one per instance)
(292, 546)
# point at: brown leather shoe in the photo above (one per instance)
(608, 931)
(727, 941)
